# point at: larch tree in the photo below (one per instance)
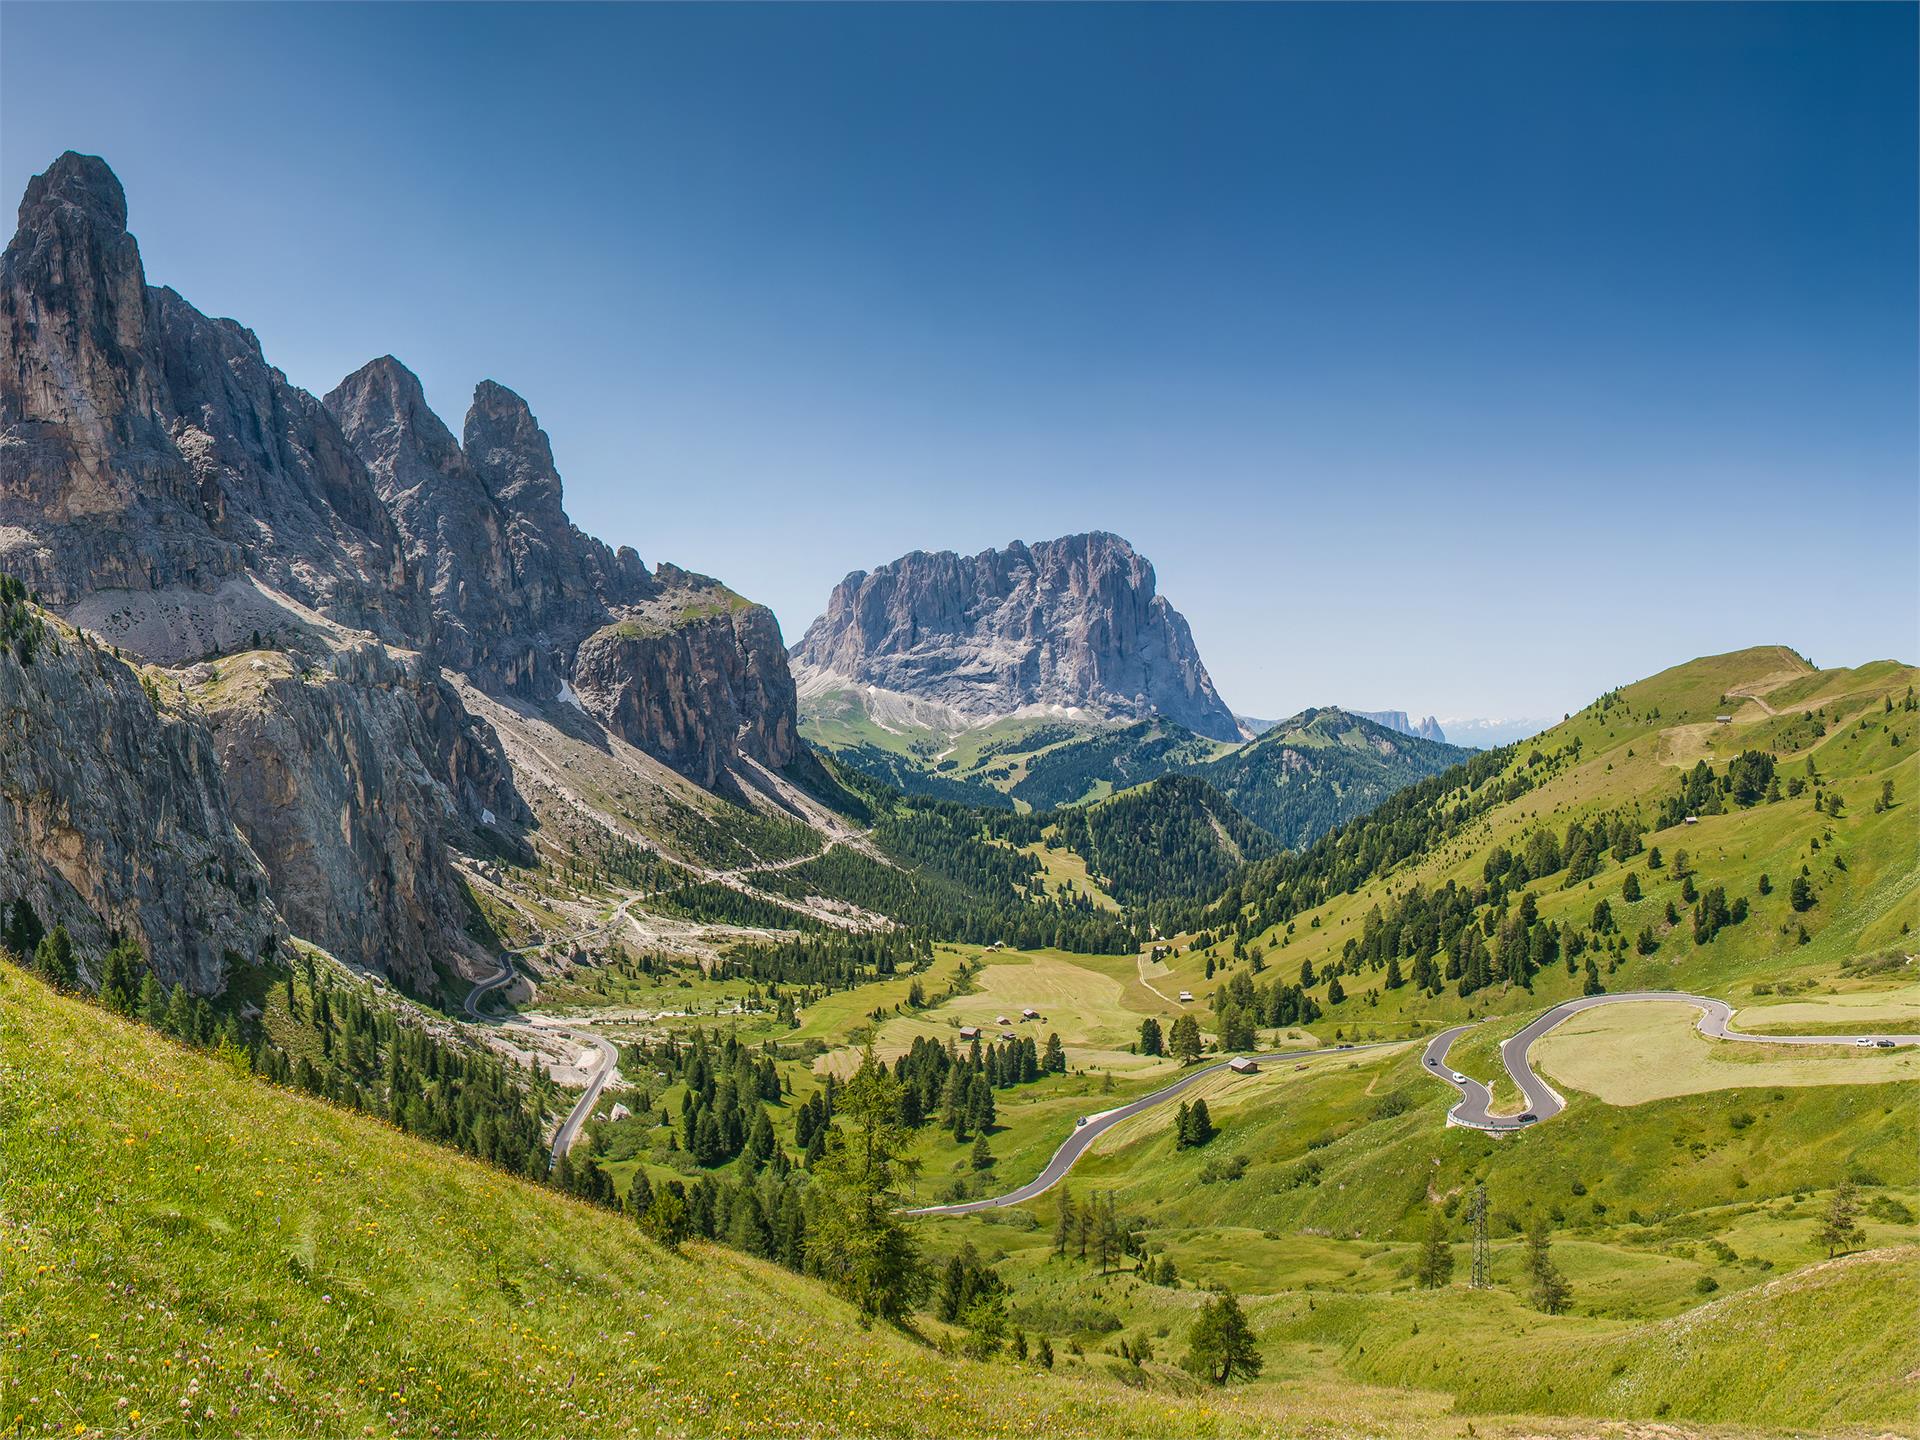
(1221, 1344)
(857, 1239)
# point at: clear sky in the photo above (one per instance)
(1465, 360)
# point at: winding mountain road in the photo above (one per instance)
(569, 1130)
(1543, 1101)
(1476, 1099)
(609, 1054)
(1091, 1127)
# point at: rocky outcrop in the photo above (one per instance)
(513, 584)
(114, 817)
(1427, 729)
(350, 778)
(148, 447)
(674, 663)
(1072, 624)
(564, 572)
(693, 676)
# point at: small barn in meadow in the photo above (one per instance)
(1244, 1065)
(969, 1032)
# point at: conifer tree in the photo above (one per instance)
(857, 1240)
(1221, 1344)
(1550, 1290)
(1436, 1255)
(1839, 1226)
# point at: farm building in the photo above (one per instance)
(1244, 1065)
(1186, 997)
(1029, 1013)
(969, 1032)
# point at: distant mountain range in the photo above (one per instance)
(1484, 734)
(1053, 674)
(1472, 732)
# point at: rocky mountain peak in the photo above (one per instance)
(75, 182)
(385, 397)
(511, 453)
(1427, 729)
(1071, 624)
(152, 450)
(307, 568)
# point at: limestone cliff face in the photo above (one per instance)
(1072, 623)
(148, 447)
(167, 487)
(563, 571)
(349, 778)
(114, 816)
(672, 662)
(307, 569)
(694, 676)
(513, 584)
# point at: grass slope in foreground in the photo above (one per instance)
(189, 1251)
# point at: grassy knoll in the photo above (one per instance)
(1067, 870)
(1095, 1004)
(1828, 1346)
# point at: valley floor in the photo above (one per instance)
(191, 1251)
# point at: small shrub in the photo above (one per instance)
(1221, 1169)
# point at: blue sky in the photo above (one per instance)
(1464, 360)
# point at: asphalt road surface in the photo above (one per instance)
(569, 1130)
(1085, 1133)
(1543, 1101)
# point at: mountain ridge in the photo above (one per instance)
(302, 578)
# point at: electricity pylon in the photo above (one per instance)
(1478, 1213)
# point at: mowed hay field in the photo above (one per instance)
(1629, 1054)
(1094, 1003)
(1864, 1010)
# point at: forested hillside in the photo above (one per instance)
(1643, 843)
(1320, 769)
(1172, 840)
